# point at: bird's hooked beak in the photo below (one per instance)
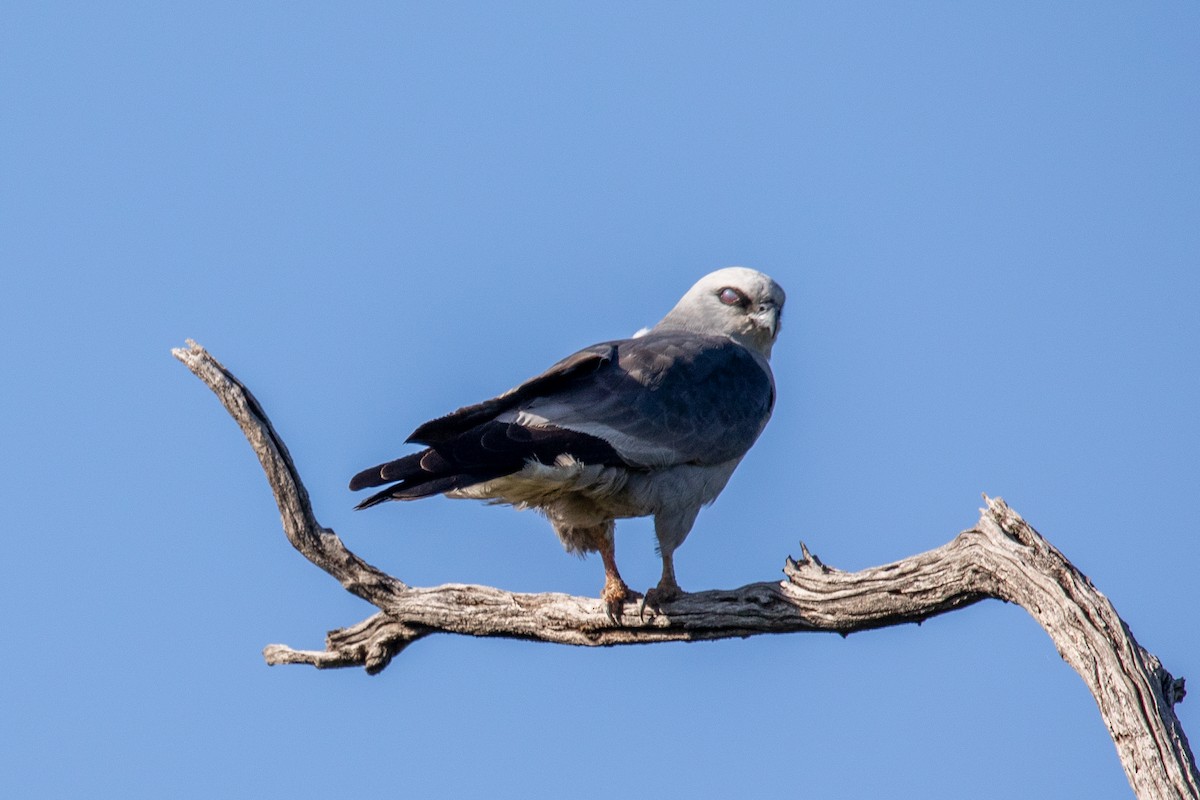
(766, 317)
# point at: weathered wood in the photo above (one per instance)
(1001, 557)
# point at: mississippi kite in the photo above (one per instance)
(652, 425)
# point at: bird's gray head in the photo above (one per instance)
(737, 302)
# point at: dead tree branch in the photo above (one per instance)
(1002, 557)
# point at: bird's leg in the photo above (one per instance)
(615, 591)
(670, 529)
(667, 588)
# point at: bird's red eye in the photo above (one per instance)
(731, 297)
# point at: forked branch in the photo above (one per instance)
(1001, 557)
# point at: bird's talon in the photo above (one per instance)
(654, 598)
(614, 597)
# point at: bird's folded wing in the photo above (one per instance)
(663, 399)
(565, 373)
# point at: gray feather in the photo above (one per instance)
(669, 397)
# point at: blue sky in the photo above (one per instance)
(988, 224)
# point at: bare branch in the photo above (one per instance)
(1002, 557)
(371, 644)
(318, 544)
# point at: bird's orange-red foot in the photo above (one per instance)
(614, 595)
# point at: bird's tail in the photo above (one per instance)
(412, 477)
(480, 454)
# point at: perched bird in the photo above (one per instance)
(652, 425)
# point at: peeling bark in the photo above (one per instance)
(1001, 557)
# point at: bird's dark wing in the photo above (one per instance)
(469, 446)
(571, 369)
(667, 398)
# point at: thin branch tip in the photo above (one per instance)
(192, 349)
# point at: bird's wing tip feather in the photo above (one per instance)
(374, 500)
(368, 477)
